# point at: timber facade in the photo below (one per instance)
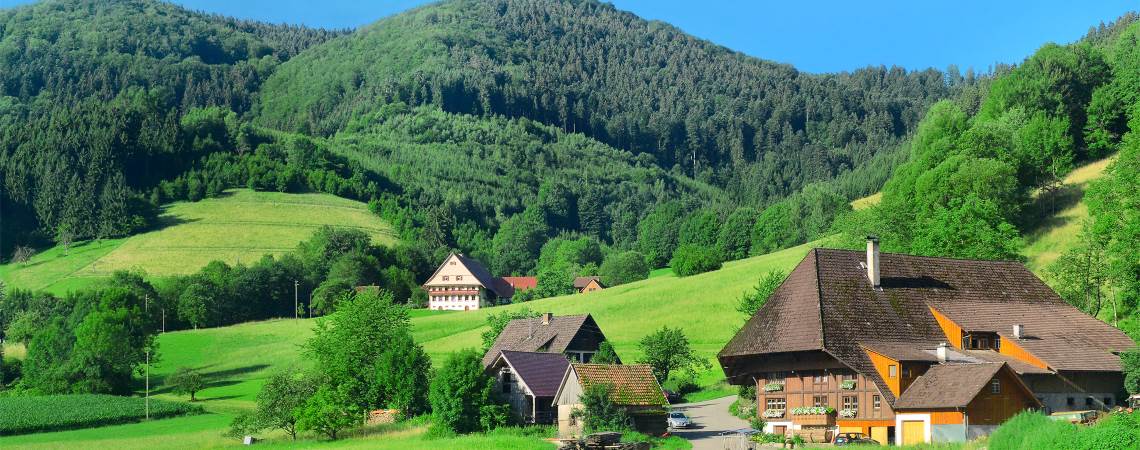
(908, 349)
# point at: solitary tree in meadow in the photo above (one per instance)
(187, 381)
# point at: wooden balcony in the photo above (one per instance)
(814, 419)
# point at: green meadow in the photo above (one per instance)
(240, 226)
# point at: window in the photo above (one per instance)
(1070, 401)
(776, 377)
(819, 400)
(995, 386)
(445, 278)
(893, 370)
(983, 343)
(847, 376)
(820, 378)
(850, 402)
(776, 403)
(876, 402)
(453, 263)
(459, 278)
(506, 382)
(1088, 401)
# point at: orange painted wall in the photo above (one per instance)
(1011, 349)
(882, 365)
(952, 330)
(946, 417)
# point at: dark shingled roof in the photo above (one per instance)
(630, 384)
(831, 287)
(530, 335)
(947, 386)
(540, 372)
(581, 282)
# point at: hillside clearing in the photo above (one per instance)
(1059, 230)
(240, 226)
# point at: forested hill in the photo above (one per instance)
(92, 94)
(758, 128)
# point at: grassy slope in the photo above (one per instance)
(239, 227)
(1056, 234)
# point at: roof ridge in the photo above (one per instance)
(819, 299)
(908, 255)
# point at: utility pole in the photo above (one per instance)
(148, 382)
(146, 307)
(296, 285)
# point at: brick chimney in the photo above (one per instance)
(1018, 331)
(873, 260)
(546, 318)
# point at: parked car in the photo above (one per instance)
(853, 438)
(678, 419)
(673, 397)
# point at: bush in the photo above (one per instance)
(20, 415)
(1032, 430)
(692, 259)
(458, 393)
(624, 267)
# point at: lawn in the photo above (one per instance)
(240, 226)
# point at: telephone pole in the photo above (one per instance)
(146, 307)
(296, 285)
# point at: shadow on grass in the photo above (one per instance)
(1041, 215)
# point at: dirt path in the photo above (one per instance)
(710, 418)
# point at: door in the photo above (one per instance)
(879, 434)
(913, 432)
(779, 429)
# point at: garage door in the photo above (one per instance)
(879, 434)
(913, 432)
(850, 429)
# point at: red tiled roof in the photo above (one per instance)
(521, 283)
(630, 384)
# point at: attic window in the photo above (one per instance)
(893, 370)
(459, 278)
(452, 263)
(995, 386)
(445, 278)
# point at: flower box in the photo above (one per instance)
(847, 385)
(848, 413)
(822, 420)
(773, 413)
(812, 410)
(773, 387)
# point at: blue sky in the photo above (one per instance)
(816, 36)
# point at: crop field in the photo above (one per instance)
(241, 226)
(21, 415)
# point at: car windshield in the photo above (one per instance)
(676, 415)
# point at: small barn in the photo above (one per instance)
(632, 387)
(527, 381)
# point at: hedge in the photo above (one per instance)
(36, 414)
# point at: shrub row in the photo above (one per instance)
(22, 415)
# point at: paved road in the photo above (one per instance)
(711, 417)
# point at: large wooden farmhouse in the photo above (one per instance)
(914, 349)
(463, 284)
